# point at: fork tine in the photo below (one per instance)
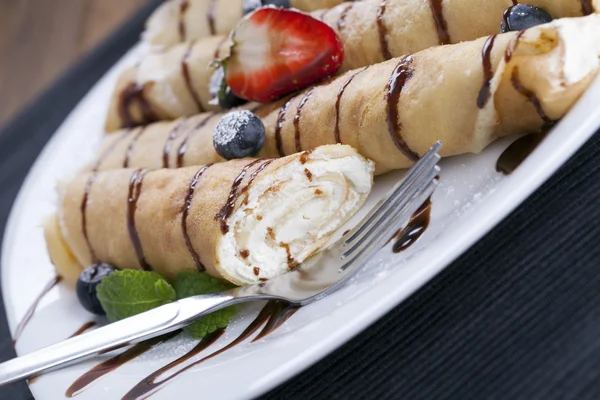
(427, 162)
(378, 241)
(386, 220)
(392, 225)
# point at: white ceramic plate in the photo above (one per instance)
(471, 199)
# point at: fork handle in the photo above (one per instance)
(128, 331)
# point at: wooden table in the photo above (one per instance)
(40, 39)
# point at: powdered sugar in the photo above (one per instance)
(228, 127)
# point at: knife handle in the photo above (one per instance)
(140, 327)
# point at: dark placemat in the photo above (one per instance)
(518, 316)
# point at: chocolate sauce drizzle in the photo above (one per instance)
(518, 151)
(587, 7)
(515, 2)
(531, 96)
(509, 50)
(83, 209)
(169, 142)
(415, 228)
(184, 214)
(341, 23)
(86, 193)
(27, 317)
(488, 73)
(183, 146)
(149, 385)
(131, 146)
(115, 362)
(272, 316)
(253, 176)
(279, 126)
(228, 207)
(297, 117)
(273, 313)
(506, 15)
(278, 313)
(183, 7)
(135, 190)
(291, 262)
(440, 22)
(185, 71)
(211, 18)
(383, 32)
(338, 101)
(402, 73)
(134, 94)
(83, 328)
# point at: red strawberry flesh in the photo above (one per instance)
(277, 51)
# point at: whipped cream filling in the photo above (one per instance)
(292, 212)
(581, 46)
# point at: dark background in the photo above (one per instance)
(516, 317)
(40, 39)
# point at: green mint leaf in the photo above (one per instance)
(130, 292)
(192, 283)
(211, 322)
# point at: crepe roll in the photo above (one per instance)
(377, 30)
(174, 83)
(178, 21)
(165, 85)
(465, 95)
(244, 220)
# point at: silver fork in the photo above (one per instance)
(316, 278)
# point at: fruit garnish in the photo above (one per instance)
(523, 16)
(239, 134)
(220, 93)
(277, 51)
(88, 282)
(192, 283)
(126, 293)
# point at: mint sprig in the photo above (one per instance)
(130, 292)
(192, 283)
(127, 293)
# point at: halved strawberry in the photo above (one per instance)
(277, 51)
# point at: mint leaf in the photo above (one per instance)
(131, 292)
(192, 283)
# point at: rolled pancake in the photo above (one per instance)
(372, 31)
(178, 21)
(165, 85)
(243, 220)
(377, 30)
(465, 95)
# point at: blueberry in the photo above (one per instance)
(523, 16)
(87, 283)
(251, 5)
(219, 90)
(277, 3)
(239, 134)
